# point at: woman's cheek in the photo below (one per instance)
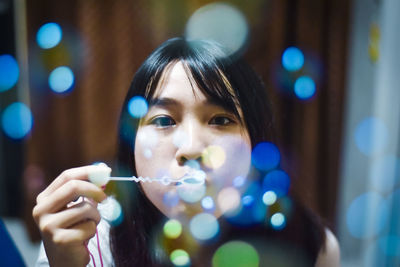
(154, 161)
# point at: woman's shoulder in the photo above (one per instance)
(329, 255)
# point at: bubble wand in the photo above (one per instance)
(102, 175)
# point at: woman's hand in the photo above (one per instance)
(66, 224)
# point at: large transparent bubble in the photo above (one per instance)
(367, 215)
(17, 120)
(219, 22)
(204, 226)
(236, 253)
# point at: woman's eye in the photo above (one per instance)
(163, 121)
(221, 120)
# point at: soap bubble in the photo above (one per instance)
(265, 156)
(213, 157)
(247, 200)
(371, 136)
(219, 22)
(61, 79)
(204, 226)
(292, 59)
(179, 257)
(239, 181)
(207, 203)
(49, 35)
(137, 107)
(228, 200)
(147, 138)
(9, 72)
(111, 211)
(278, 221)
(304, 87)
(252, 211)
(226, 151)
(172, 228)
(277, 181)
(17, 120)
(147, 153)
(269, 198)
(171, 199)
(191, 193)
(360, 223)
(235, 254)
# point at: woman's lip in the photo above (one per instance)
(192, 177)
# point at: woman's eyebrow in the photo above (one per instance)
(163, 102)
(166, 102)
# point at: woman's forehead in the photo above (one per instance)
(175, 83)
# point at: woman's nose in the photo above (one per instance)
(192, 147)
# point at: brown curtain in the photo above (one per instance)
(111, 38)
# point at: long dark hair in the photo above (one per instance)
(227, 80)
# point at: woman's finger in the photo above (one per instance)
(68, 192)
(77, 234)
(80, 173)
(77, 213)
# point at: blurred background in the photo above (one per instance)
(331, 69)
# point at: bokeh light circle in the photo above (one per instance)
(304, 87)
(385, 173)
(292, 59)
(278, 221)
(179, 257)
(228, 200)
(371, 136)
(147, 138)
(252, 210)
(236, 254)
(61, 79)
(247, 200)
(239, 181)
(49, 35)
(359, 220)
(137, 107)
(213, 156)
(269, 198)
(219, 22)
(17, 120)
(204, 226)
(265, 156)
(9, 72)
(191, 193)
(171, 199)
(207, 203)
(172, 228)
(111, 211)
(277, 181)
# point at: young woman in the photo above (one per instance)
(207, 112)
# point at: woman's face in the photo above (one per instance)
(183, 130)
